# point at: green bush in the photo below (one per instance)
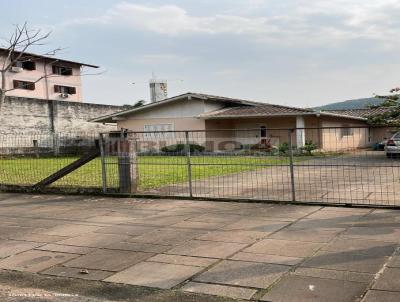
(309, 146)
(180, 148)
(283, 148)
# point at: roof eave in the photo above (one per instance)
(255, 115)
(342, 116)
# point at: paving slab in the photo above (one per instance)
(199, 225)
(334, 274)
(390, 234)
(237, 236)
(108, 260)
(182, 260)
(305, 289)
(389, 280)
(210, 249)
(70, 230)
(167, 236)
(346, 261)
(284, 248)
(219, 290)
(160, 275)
(11, 247)
(129, 230)
(39, 237)
(110, 219)
(138, 247)
(243, 273)
(381, 296)
(72, 272)
(307, 235)
(34, 261)
(394, 261)
(362, 246)
(69, 249)
(259, 225)
(94, 240)
(159, 220)
(265, 258)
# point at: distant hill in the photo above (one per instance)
(351, 104)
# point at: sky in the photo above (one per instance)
(292, 52)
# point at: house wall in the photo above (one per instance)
(246, 131)
(45, 86)
(336, 139)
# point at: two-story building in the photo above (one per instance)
(44, 77)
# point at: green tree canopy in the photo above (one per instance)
(390, 114)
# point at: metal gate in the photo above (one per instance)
(336, 165)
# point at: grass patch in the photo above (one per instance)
(154, 171)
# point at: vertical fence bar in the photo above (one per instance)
(292, 180)
(189, 163)
(103, 164)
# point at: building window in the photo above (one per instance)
(62, 70)
(263, 131)
(346, 131)
(23, 85)
(27, 65)
(153, 131)
(64, 89)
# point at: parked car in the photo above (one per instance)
(393, 146)
(380, 146)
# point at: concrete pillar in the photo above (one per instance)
(300, 133)
(127, 159)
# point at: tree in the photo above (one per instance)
(390, 113)
(16, 49)
(137, 104)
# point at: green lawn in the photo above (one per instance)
(154, 171)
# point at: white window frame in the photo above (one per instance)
(149, 128)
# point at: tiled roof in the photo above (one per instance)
(363, 113)
(260, 109)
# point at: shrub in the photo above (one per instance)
(283, 148)
(180, 148)
(309, 146)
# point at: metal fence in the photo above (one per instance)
(338, 165)
(28, 158)
(345, 165)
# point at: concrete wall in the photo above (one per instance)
(44, 89)
(25, 115)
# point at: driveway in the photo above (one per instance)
(365, 177)
(178, 250)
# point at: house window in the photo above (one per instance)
(64, 89)
(62, 70)
(27, 65)
(263, 131)
(346, 131)
(23, 85)
(152, 131)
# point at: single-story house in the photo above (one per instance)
(228, 123)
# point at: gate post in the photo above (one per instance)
(103, 164)
(127, 165)
(292, 180)
(189, 163)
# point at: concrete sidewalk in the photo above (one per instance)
(242, 251)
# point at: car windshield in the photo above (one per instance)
(397, 136)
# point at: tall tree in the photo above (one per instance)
(16, 49)
(390, 114)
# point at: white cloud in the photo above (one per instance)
(163, 58)
(302, 21)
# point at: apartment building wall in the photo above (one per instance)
(44, 89)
